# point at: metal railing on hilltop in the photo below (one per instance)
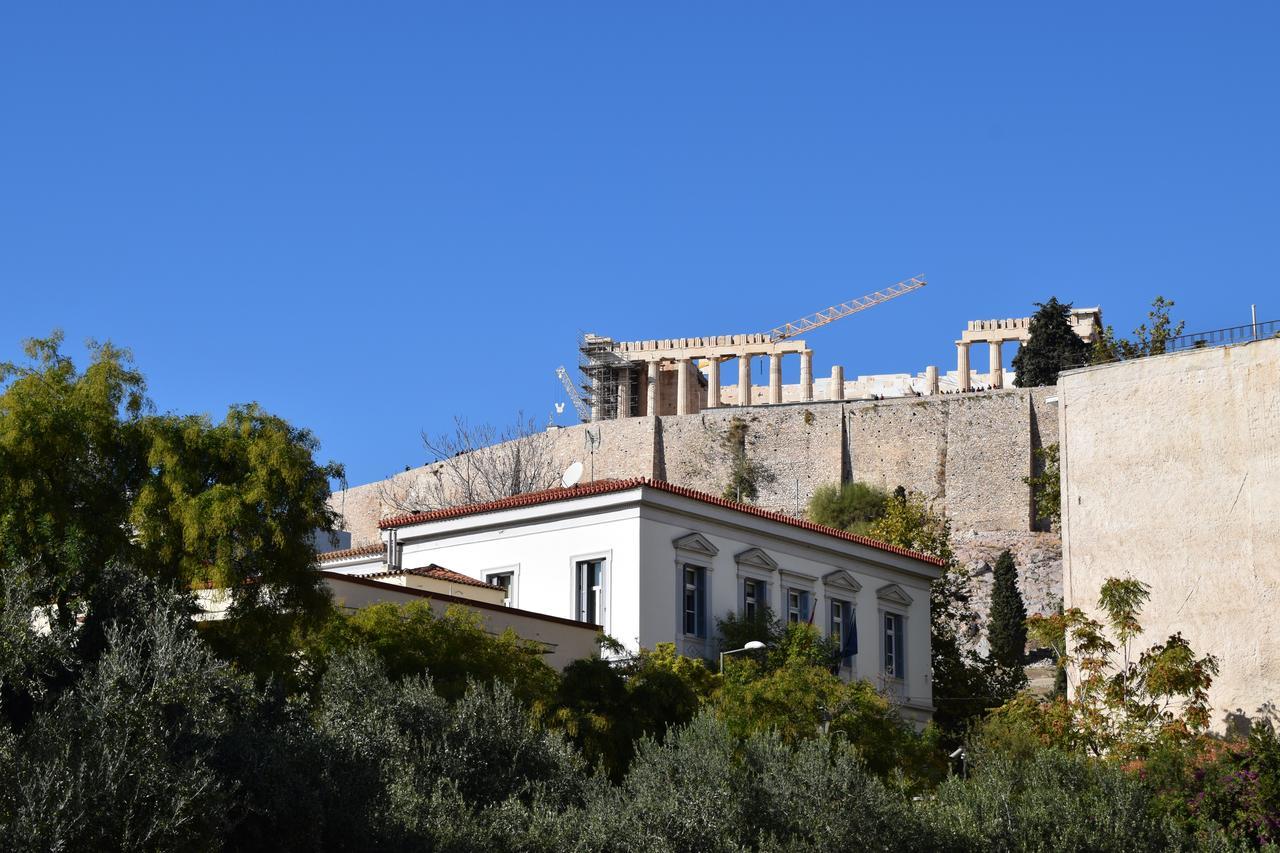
(1204, 340)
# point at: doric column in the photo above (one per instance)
(931, 379)
(597, 395)
(713, 383)
(652, 409)
(997, 365)
(962, 365)
(837, 382)
(682, 386)
(624, 392)
(775, 377)
(744, 380)
(806, 375)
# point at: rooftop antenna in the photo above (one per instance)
(572, 475)
(593, 441)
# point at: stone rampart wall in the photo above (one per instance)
(967, 453)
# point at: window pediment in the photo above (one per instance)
(756, 559)
(695, 543)
(842, 580)
(893, 594)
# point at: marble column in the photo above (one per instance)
(684, 365)
(806, 375)
(713, 382)
(837, 383)
(597, 397)
(652, 409)
(962, 366)
(931, 379)
(775, 377)
(624, 392)
(996, 364)
(744, 380)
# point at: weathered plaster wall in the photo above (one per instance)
(1171, 475)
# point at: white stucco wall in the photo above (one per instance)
(643, 584)
(1171, 475)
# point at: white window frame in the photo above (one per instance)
(899, 671)
(758, 600)
(685, 589)
(894, 601)
(606, 586)
(694, 550)
(513, 591)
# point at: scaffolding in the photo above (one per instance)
(603, 372)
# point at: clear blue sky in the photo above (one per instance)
(371, 217)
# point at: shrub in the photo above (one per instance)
(848, 506)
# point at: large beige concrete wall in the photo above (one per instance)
(1171, 475)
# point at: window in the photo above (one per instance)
(590, 592)
(753, 598)
(503, 580)
(695, 601)
(844, 628)
(797, 605)
(895, 662)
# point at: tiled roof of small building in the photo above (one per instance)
(348, 553)
(605, 487)
(431, 571)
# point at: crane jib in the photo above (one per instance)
(844, 309)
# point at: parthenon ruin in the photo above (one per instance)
(681, 376)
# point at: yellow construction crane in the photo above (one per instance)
(844, 309)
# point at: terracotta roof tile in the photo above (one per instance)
(347, 553)
(605, 487)
(431, 571)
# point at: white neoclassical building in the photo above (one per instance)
(653, 562)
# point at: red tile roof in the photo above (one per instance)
(431, 571)
(362, 551)
(606, 487)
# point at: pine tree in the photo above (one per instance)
(1054, 346)
(1007, 628)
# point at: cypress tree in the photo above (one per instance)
(1007, 628)
(1053, 346)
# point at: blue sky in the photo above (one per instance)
(372, 217)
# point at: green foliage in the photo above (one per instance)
(736, 629)
(1053, 346)
(1007, 623)
(1124, 707)
(1046, 485)
(88, 476)
(745, 474)
(1147, 340)
(964, 685)
(70, 458)
(1050, 801)
(234, 504)
(605, 708)
(849, 506)
(453, 649)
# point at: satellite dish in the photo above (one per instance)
(572, 475)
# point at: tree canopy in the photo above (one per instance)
(89, 474)
(1053, 346)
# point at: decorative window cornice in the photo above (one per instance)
(695, 543)
(893, 594)
(841, 580)
(755, 558)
